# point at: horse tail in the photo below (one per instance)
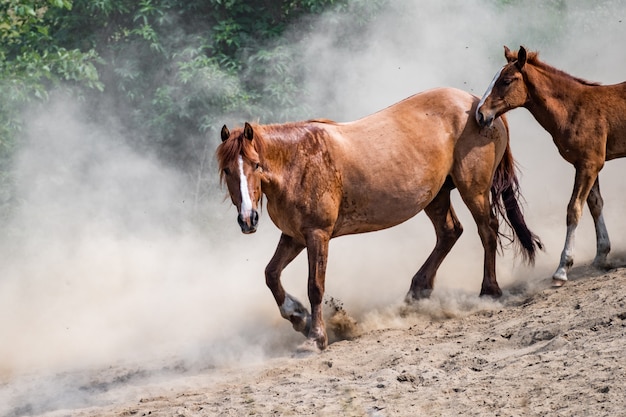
(505, 196)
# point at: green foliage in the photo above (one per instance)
(169, 67)
(30, 60)
(31, 64)
(172, 72)
(173, 69)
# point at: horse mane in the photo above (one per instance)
(289, 132)
(324, 121)
(533, 58)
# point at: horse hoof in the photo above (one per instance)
(414, 296)
(557, 283)
(602, 265)
(559, 275)
(495, 294)
(308, 348)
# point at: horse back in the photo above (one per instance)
(408, 136)
(394, 162)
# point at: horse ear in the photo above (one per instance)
(521, 57)
(225, 133)
(248, 133)
(510, 57)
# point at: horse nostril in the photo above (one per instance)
(480, 118)
(248, 225)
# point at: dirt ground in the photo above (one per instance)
(534, 353)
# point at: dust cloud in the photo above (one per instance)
(104, 282)
(101, 268)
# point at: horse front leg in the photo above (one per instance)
(448, 229)
(603, 243)
(290, 308)
(584, 180)
(317, 249)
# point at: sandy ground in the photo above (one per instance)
(536, 352)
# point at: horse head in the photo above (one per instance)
(240, 170)
(507, 90)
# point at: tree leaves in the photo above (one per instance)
(172, 70)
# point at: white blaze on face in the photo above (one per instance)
(246, 202)
(493, 82)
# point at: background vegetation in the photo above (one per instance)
(169, 73)
(167, 68)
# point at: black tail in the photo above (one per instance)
(505, 195)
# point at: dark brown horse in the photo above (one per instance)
(324, 179)
(587, 122)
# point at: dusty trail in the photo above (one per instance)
(545, 352)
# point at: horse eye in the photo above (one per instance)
(226, 171)
(257, 166)
(507, 81)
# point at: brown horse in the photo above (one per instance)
(587, 122)
(324, 179)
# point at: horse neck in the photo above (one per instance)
(280, 148)
(551, 95)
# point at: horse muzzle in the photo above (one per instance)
(484, 120)
(248, 223)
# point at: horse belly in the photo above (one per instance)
(616, 145)
(376, 209)
(615, 123)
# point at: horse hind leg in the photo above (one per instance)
(290, 308)
(603, 244)
(448, 230)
